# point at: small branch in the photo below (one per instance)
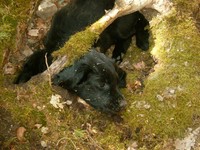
(124, 7)
(130, 6)
(48, 70)
(162, 6)
(105, 21)
(54, 68)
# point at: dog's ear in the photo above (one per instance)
(72, 77)
(122, 77)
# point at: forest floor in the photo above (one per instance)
(162, 91)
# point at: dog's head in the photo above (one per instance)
(96, 79)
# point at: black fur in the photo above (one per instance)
(78, 15)
(120, 34)
(97, 84)
(97, 80)
(35, 64)
(75, 17)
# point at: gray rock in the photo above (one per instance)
(27, 51)
(33, 32)
(46, 10)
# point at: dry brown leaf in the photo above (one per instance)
(138, 84)
(80, 100)
(90, 129)
(20, 134)
(40, 23)
(130, 88)
(139, 66)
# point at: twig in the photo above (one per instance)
(48, 70)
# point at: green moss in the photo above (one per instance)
(176, 50)
(22, 112)
(77, 45)
(12, 12)
(174, 44)
(111, 139)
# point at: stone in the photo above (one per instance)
(46, 10)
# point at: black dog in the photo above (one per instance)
(97, 80)
(120, 34)
(73, 18)
(80, 14)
